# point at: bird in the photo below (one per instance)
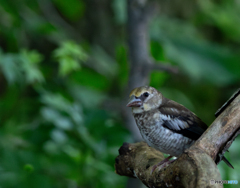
(165, 124)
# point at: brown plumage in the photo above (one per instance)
(165, 124)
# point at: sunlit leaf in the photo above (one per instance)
(67, 65)
(69, 56)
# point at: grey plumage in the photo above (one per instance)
(159, 137)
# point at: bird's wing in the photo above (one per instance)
(179, 119)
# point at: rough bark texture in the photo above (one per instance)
(195, 167)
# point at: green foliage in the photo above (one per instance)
(69, 55)
(22, 67)
(120, 11)
(72, 9)
(62, 144)
(55, 133)
(224, 15)
(196, 57)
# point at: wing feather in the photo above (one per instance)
(181, 120)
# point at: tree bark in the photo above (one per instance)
(195, 167)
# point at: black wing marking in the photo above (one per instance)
(193, 131)
(181, 120)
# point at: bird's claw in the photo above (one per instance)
(162, 163)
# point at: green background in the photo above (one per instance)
(63, 74)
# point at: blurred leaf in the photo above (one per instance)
(29, 168)
(120, 10)
(157, 51)
(88, 97)
(56, 101)
(30, 60)
(197, 58)
(58, 136)
(50, 114)
(102, 63)
(63, 123)
(158, 79)
(72, 9)
(97, 80)
(72, 152)
(56, 118)
(67, 64)
(9, 67)
(51, 147)
(122, 60)
(224, 15)
(69, 56)
(22, 66)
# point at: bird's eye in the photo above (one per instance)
(146, 94)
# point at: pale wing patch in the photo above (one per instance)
(181, 124)
(174, 110)
(175, 123)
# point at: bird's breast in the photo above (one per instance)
(159, 137)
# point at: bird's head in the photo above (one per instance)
(144, 98)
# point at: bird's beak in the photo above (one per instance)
(134, 102)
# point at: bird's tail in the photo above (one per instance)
(227, 162)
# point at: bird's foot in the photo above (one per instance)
(163, 163)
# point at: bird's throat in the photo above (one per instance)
(137, 110)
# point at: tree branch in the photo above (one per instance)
(195, 167)
(223, 130)
(164, 67)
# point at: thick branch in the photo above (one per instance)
(192, 169)
(195, 167)
(222, 130)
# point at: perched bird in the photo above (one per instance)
(165, 124)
